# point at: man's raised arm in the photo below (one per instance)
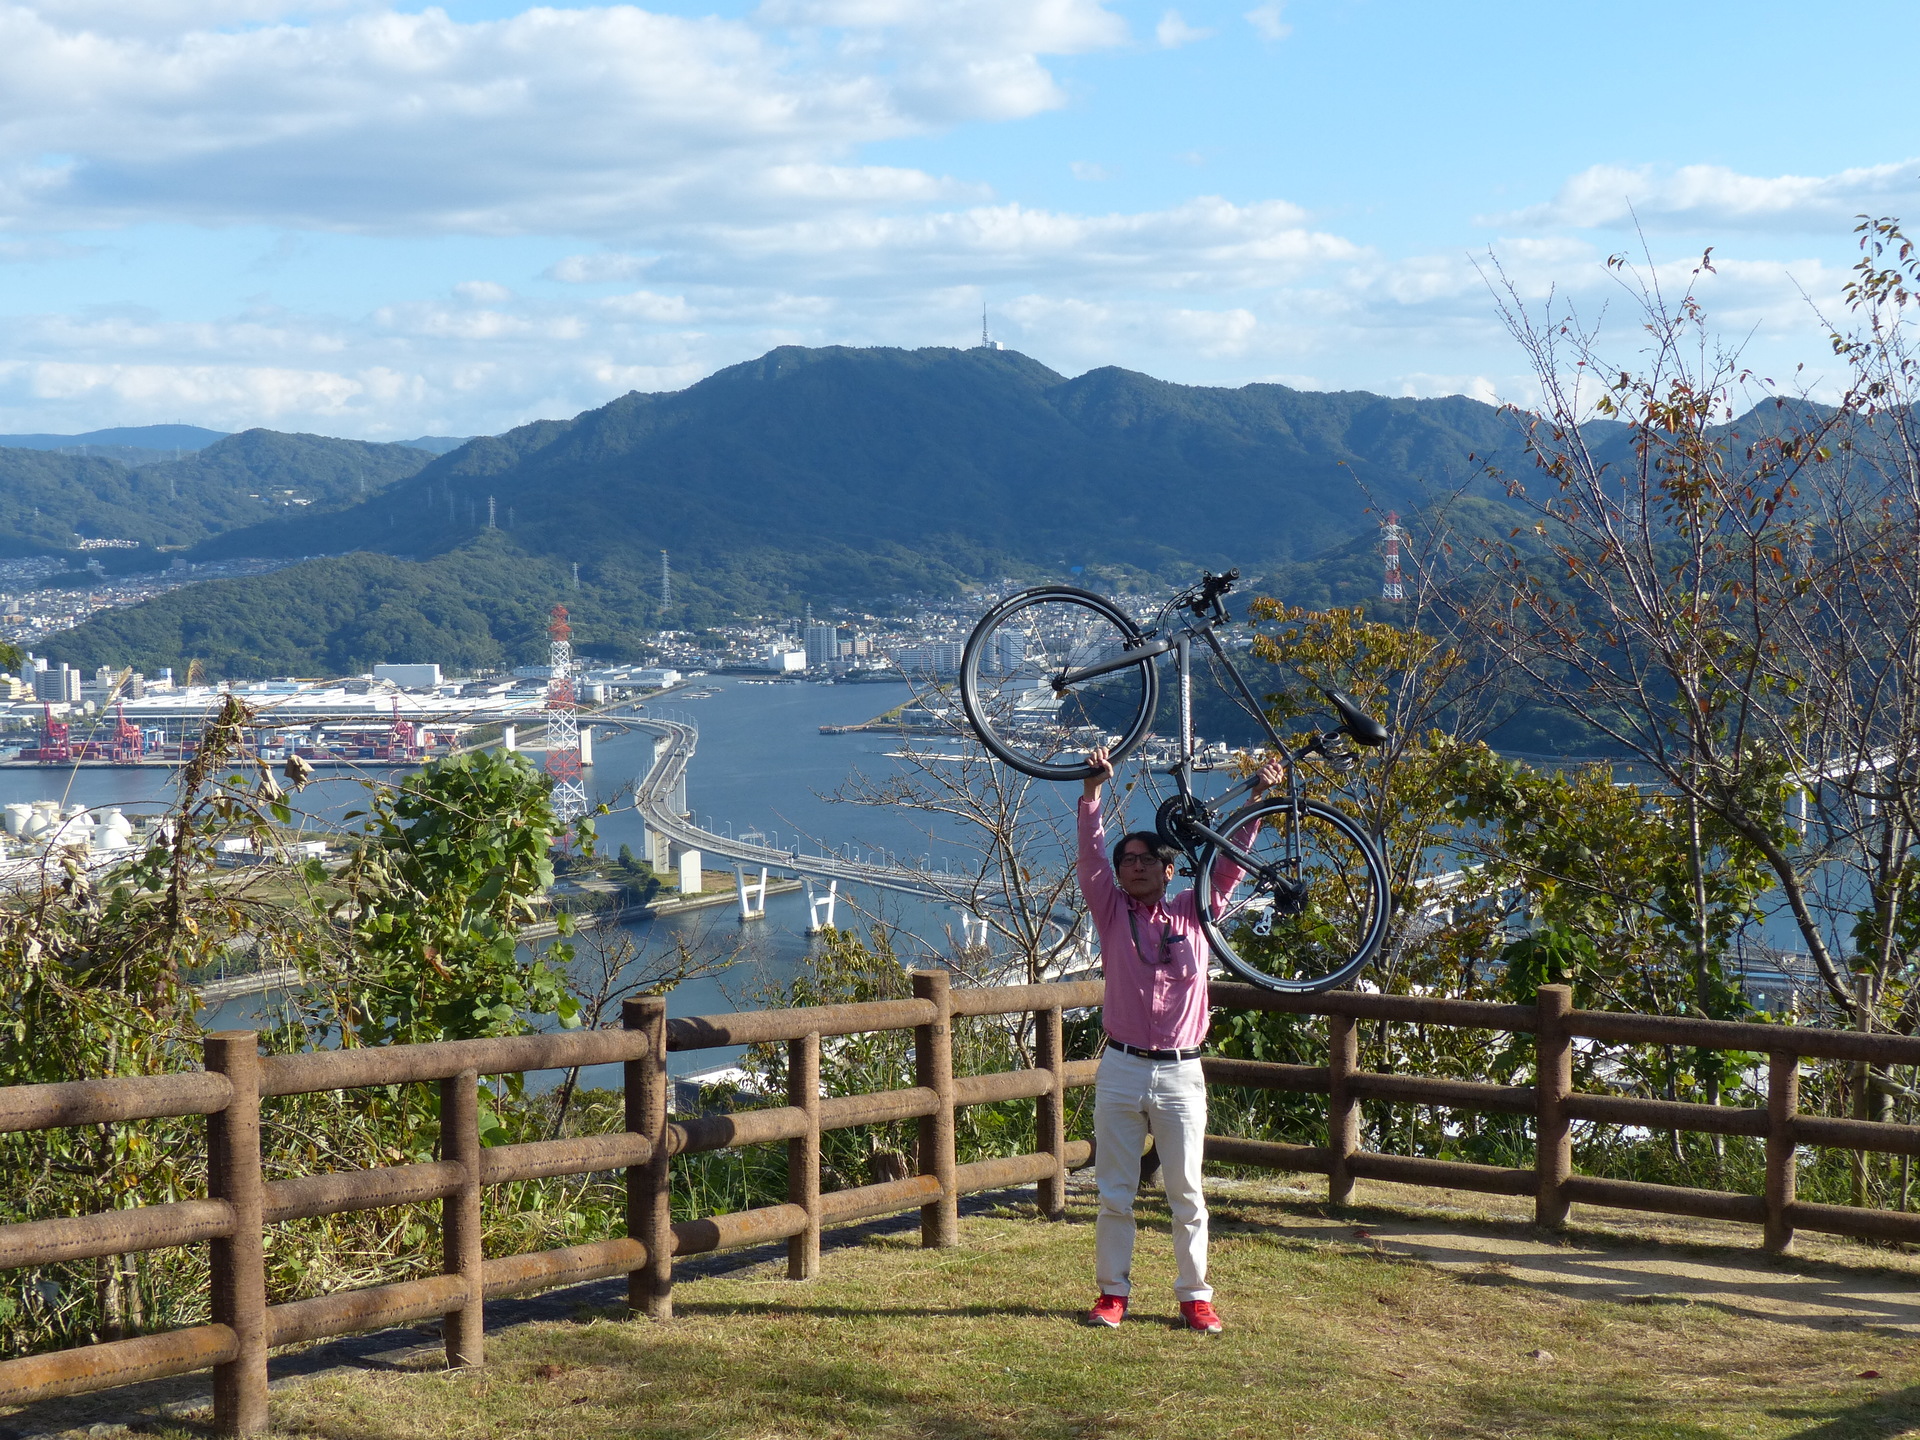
(1226, 870)
(1097, 885)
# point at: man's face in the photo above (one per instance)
(1143, 875)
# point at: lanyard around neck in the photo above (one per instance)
(1166, 940)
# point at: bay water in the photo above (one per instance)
(761, 764)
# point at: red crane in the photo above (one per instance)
(56, 740)
(128, 743)
(402, 743)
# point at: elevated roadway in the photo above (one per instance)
(662, 794)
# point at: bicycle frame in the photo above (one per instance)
(1180, 646)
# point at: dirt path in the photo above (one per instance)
(1617, 1256)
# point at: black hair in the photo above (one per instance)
(1151, 839)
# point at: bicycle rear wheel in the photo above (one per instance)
(1313, 914)
(1012, 661)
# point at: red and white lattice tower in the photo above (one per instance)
(1391, 587)
(563, 728)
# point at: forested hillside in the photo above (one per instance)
(48, 499)
(341, 616)
(482, 605)
(976, 458)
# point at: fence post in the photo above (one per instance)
(803, 1154)
(1050, 1112)
(1343, 1110)
(649, 1186)
(1783, 1103)
(1552, 1084)
(464, 1330)
(239, 1262)
(933, 1069)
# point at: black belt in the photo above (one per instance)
(1193, 1054)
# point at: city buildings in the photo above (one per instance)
(409, 677)
(58, 684)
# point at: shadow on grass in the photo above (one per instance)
(684, 1392)
(1161, 1315)
(1879, 1418)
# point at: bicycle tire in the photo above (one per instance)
(1071, 626)
(1343, 914)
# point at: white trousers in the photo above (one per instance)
(1169, 1098)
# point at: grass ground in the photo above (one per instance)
(1331, 1333)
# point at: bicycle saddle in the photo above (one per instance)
(1364, 729)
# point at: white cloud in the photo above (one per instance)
(1484, 388)
(268, 392)
(425, 319)
(1088, 170)
(1049, 27)
(40, 249)
(1266, 22)
(168, 17)
(1207, 242)
(1172, 32)
(600, 269)
(1713, 198)
(589, 120)
(1214, 333)
(646, 305)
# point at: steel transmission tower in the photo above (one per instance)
(666, 585)
(1391, 587)
(563, 726)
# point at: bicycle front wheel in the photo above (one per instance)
(1010, 686)
(1315, 910)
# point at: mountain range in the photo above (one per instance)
(841, 477)
(50, 500)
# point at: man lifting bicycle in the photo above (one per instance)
(1155, 957)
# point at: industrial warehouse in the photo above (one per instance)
(401, 713)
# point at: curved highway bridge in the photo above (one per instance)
(664, 790)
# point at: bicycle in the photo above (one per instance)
(1292, 892)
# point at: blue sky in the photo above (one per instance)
(379, 221)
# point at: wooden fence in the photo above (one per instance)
(239, 1202)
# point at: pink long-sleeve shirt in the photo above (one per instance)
(1152, 1006)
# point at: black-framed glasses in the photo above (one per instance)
(1136, 858)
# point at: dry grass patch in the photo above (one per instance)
(1327, 1337)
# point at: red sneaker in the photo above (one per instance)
(1200, 1315)
(1108, 1310)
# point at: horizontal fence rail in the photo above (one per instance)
(240, 1202)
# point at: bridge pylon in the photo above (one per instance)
(753, 894)
(820, 906)
(973, 928)
(659, 846)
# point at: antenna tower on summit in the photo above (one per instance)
(563, 726)
(1391, 587)
(666, 584)
(987, 342)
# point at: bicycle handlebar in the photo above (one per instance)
(1211, 588)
